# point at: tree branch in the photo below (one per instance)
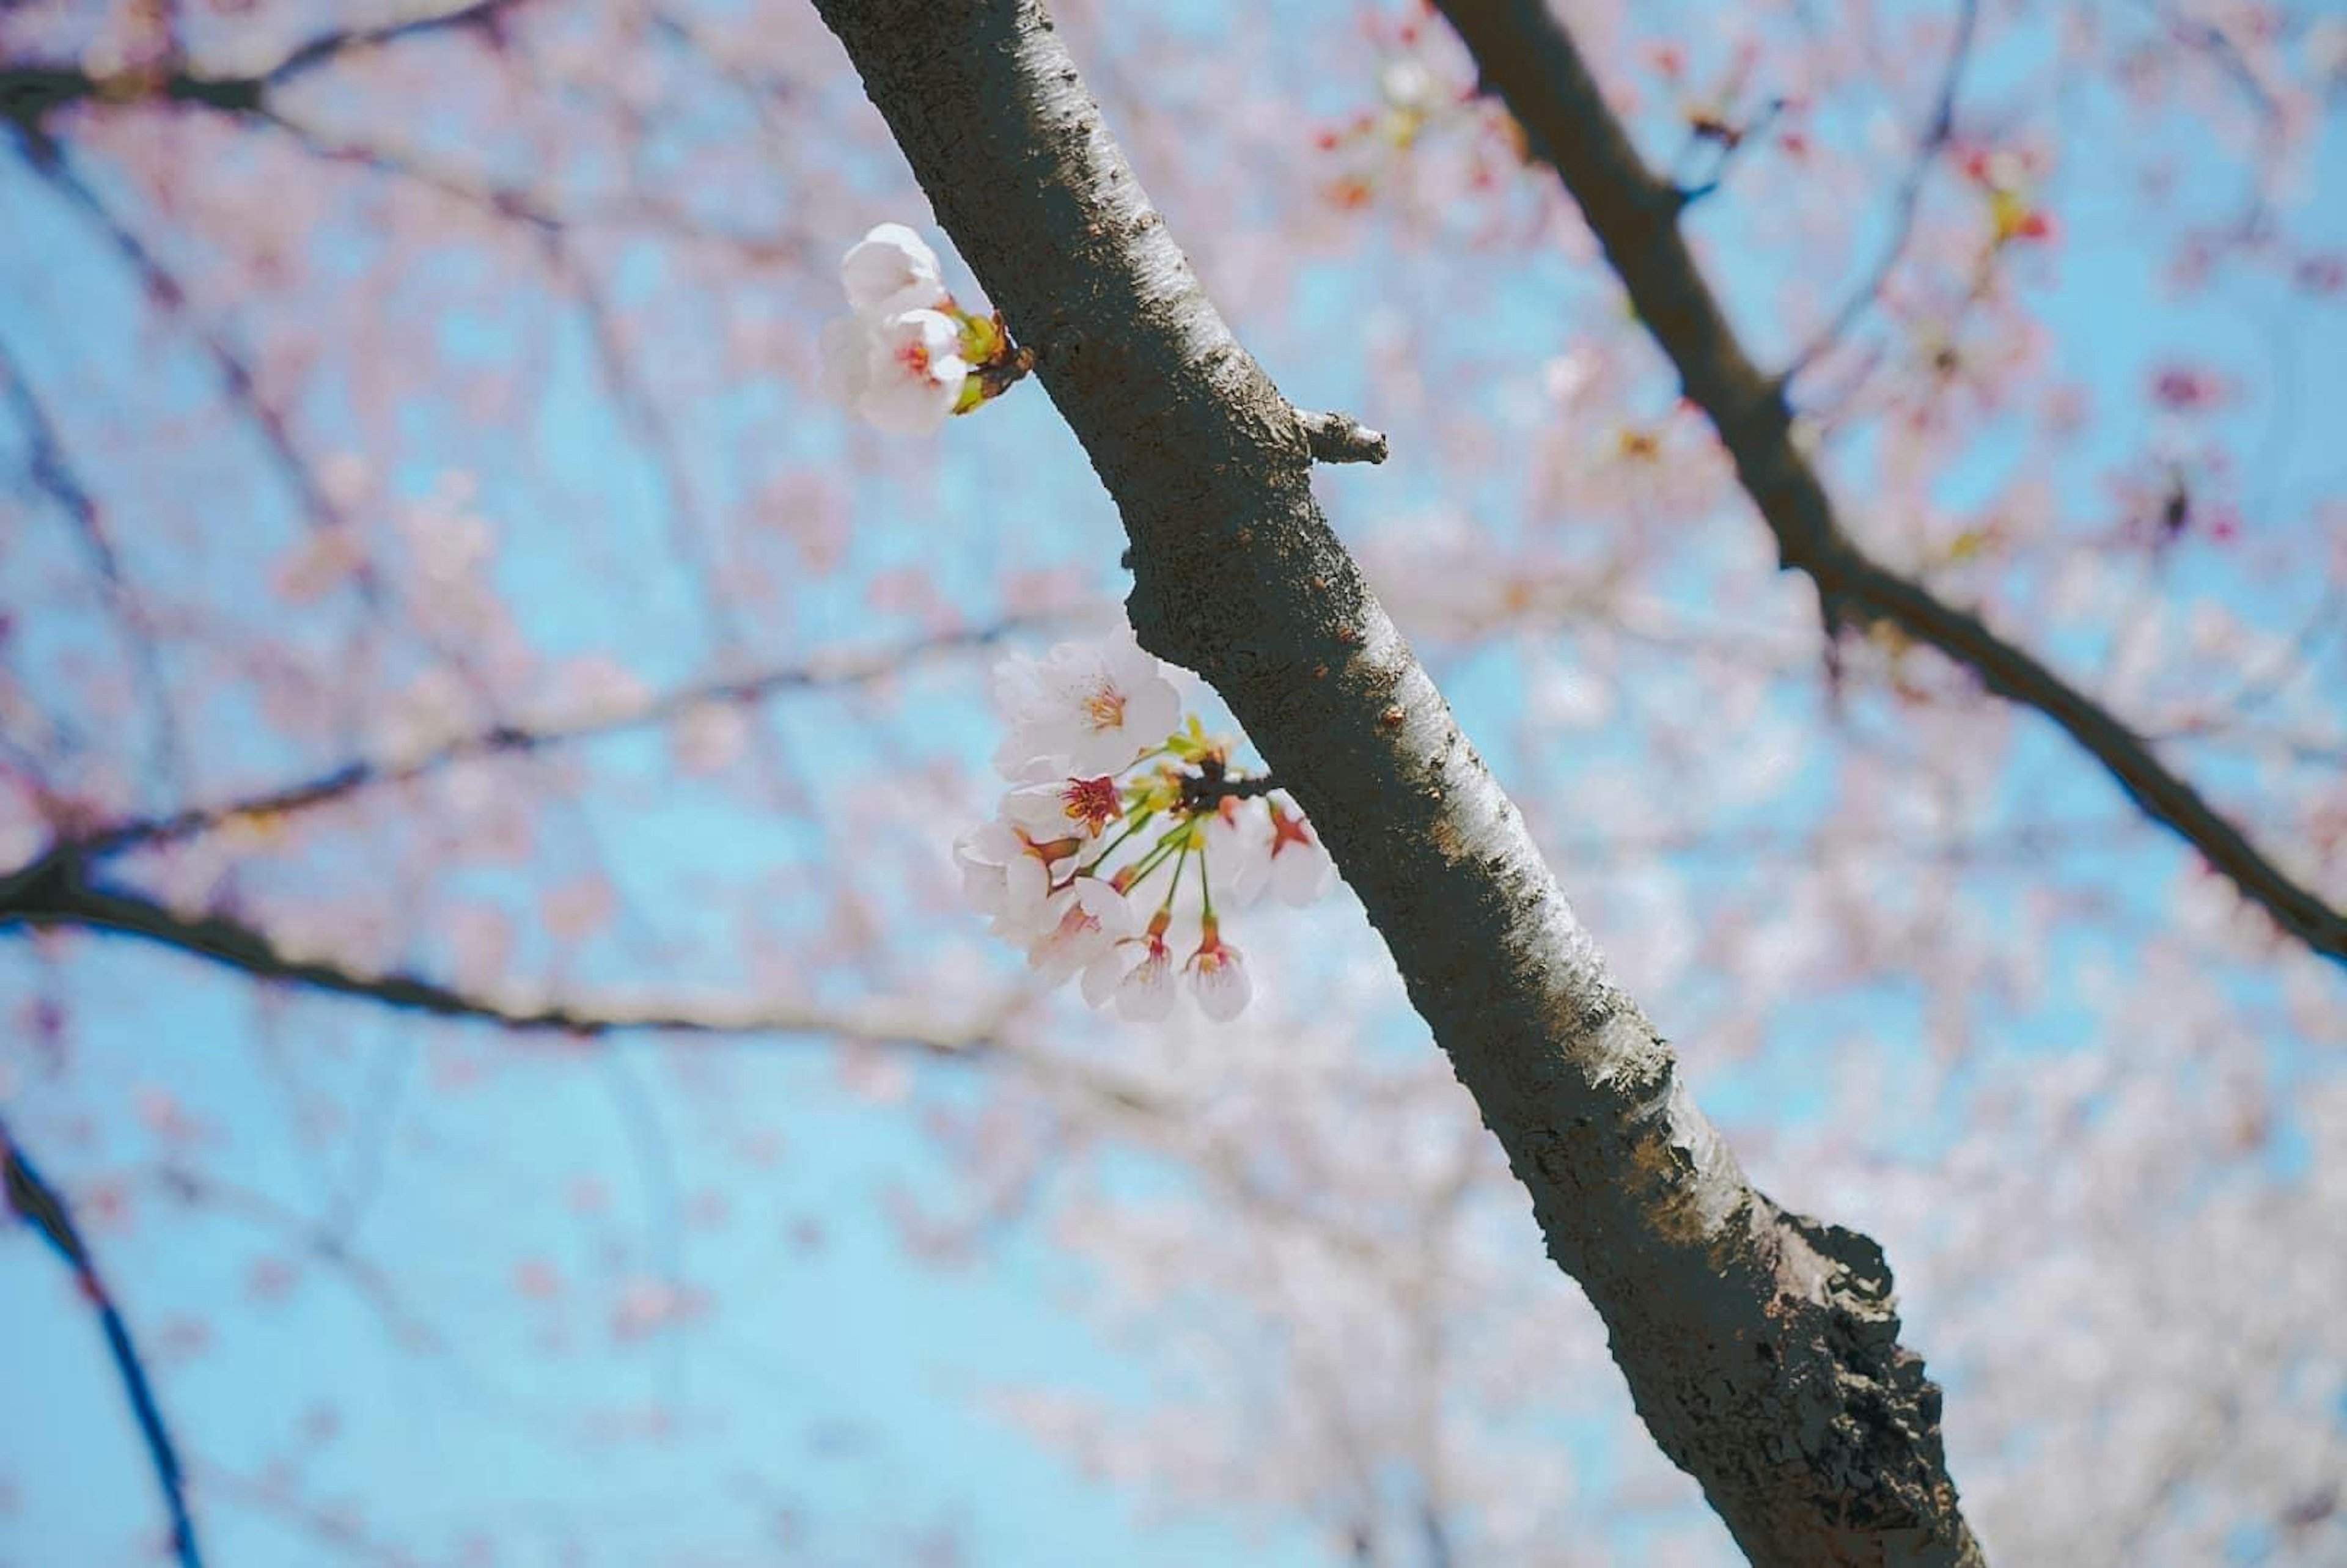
(1528, 59)
(1759, 1347)
(31, 92)
(1341, 438)
(354, 778)
(55, 890)
(55, 475)
(41, 1206)
(1930, 142)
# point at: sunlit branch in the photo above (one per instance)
(42, 1207)
(1739, 1325)
(1341, 438)
(1528, 59)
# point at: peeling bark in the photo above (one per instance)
(1760, 1347)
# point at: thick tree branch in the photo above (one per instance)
(1528, 59)
(42, 1207)
(1760, 1347)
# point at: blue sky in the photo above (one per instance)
(834, 1403)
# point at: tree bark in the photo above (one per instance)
(1760, 1347)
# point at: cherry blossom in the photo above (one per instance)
(1006, 875)
(892, 271)
(903, 373)
(1217, 977)
(1144, 991)
(1093, 918)
(1085, 707)
(1075, 856)
(909, 356)
(2065, 1074)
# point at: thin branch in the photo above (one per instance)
(41, 1206)
(55, 891)
(54, 473)
(2255, 690)
(237, 379)
(1930, 142)
(31, 92)
(329, 49)
(1530, 61)
(340, 784)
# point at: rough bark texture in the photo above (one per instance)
(1760, 1347)
(1528, 59)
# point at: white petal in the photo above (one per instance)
(846, 350)
(1146, 994)
(1223, 989)
(903, 407)
(1102, 974)
(1118, 916)
(1301, 873)
(1018, 685)
(891, 269)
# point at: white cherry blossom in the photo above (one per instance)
(891, 270)
(1300, 868)
(846, 347)
(912, 371)
(1005, 878)
(1218, 977)
(1064, 807)
(1093, 918)
(1145, 993)
(1086, 707)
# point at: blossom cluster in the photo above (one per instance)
(1123, 818)
(909, 356)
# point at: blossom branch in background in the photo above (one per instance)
(55, 891)
(1743, 1329)
(1929, 143)
(93, 843)
(41, 1206)
(1530, 60)
(55, 475)
(32, 91)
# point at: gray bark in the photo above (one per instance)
(1760, 1347)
